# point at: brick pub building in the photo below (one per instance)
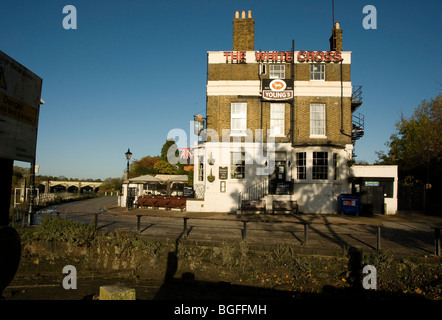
(303, 101)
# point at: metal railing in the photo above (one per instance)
(356, 96)
(308, 227)
(254, 192)
(358, 125)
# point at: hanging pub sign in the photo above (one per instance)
(198, 124)
(277, 89)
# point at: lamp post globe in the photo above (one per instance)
(128, 154)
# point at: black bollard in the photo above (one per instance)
(437, 241)
(244, 230)
(305, 233)
(185, 227)
(96, 221)
(139, 223)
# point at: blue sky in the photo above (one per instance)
(133, 70)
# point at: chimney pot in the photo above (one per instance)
(243, 14)
(250, 13)
(337, 25)
(236, 14)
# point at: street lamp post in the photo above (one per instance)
(128, 156)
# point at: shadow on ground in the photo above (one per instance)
(187, 287)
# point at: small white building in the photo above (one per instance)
(377, 186)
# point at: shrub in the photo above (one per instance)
(65, 230)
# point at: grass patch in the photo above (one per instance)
(61, 229)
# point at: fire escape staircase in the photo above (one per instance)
(358, 124)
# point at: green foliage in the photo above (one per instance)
(111, 184)
(164, 167)
(416, 147)
(418, 140)
(145, 165)
(419, 278)
(169, 146)
(382, 260)
(158, 164)
(65, 230)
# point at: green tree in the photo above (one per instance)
(169, 146)
(111, 184)
(417, 145)
(164, 167)
(144, 166)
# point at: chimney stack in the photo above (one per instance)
(243, 32)
(336, 38)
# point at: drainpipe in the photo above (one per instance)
(260, 90)
(207, 82)
(342, 105)
(342, 102)
(292, 105)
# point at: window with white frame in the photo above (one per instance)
(277, 113)
(317, 71)
(320, 166)
(238, 118)
(317, 120)
(301, 165)
(277, 71)
(237, 164)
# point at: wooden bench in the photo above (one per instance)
(145, 202)
(288, 205)
(253, 205)
(177, 203)
(162, 202)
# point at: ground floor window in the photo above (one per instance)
(237, 164)
(320, 165)
(301, 166)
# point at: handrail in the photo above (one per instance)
(254, 192)
(358, 123)
(356, 95)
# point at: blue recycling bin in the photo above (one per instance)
(349, 204)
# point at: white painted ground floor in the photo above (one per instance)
(314, 176)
